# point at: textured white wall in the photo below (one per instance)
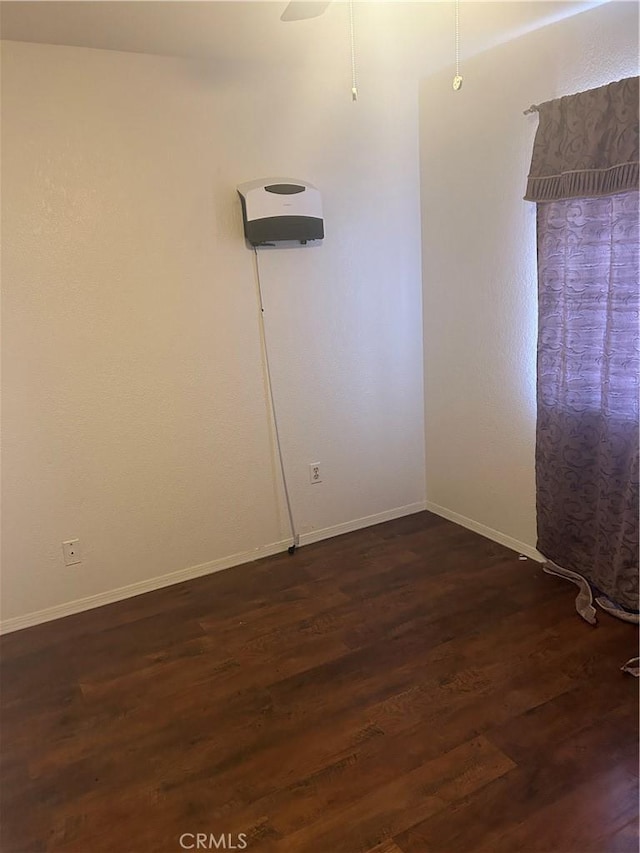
(134, 411)
(479, 261)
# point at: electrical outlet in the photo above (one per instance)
(71, 551)
(315, 474)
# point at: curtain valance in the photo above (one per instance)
(586, 145)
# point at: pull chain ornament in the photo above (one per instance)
(457, 80)
(352, 39)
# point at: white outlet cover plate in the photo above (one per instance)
(315, 473)
(71, 551)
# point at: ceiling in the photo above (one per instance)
(415, 38)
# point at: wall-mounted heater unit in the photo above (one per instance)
(281, 209)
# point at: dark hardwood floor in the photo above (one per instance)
(407, 688)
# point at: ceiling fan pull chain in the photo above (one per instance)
(354, 78)
(457, 80)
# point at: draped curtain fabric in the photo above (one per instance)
(586, 144)
(584, 176)
(587, 431)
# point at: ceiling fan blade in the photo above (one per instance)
(300, 10)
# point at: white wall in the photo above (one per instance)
(134, 413)
(479, 267)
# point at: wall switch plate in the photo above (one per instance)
(71, 551)
(315, 474)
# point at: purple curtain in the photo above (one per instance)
(584, 178)
(588, 356)
(587, 144)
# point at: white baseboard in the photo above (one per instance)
(359, 523)
(111, 596)
(487, 532)
(131, 590)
